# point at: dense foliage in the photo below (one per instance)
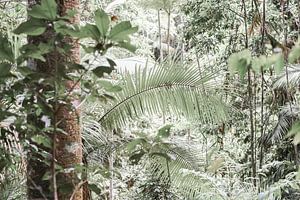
(171, 99)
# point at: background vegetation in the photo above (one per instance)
(171, 99)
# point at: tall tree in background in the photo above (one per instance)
(66, 149)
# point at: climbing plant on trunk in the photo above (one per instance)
(50, 77)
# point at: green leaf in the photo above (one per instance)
(31, 27)
(68, 29)
(121, 31)
(109, 87)
(36, 52)
(95, 188)
(128, 46)
(25, 71)
(239, 62)
(102, 21)
(135, 158)
(99, 71)
(111, 62)
(91, 31)
(5, 70)
(6, 52)
(42, 140)
(47, 10)
(132, 145)
(165, 131)
(70, 13)
(88, 49)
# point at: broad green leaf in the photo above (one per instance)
(111, 62)
(60, 26)
(165, 131)
(70, 13)
(108, 86)
(45, 48)
(46, 10)
(102, 21)
(95, 188)
(132, 145)
(88, 49)
(135, 158)
(128, 46)
(42, 140)
(5, 70)
(99, 71)
(36, 52)
(6, 52)
(92, 31)
(25, 71)
(239, 62)
(121, 31)
(68, 29)
(31, 27)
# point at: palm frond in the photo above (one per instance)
(287, 116)
(177, 90)
(293, 78)
(184, 158)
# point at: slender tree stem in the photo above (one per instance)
(161, 58)
(253, 160)
(54, 132)
(263, 33)
(169, 26)
(111, 168)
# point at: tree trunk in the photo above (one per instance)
(66, 151)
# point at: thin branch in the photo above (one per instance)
(78, 186)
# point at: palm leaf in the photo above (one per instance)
(287, 116)
(164, 89)
(293, 78)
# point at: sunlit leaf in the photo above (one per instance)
(102, 21)
(165, 131)
(121, 31)
(46, 10)
(31, 27)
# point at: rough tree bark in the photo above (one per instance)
(67, 148)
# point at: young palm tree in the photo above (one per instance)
(174, 89)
